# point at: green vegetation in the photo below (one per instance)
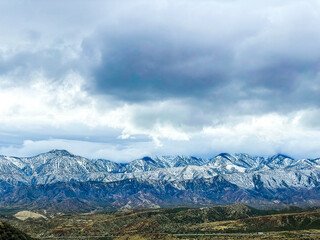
(9, 233)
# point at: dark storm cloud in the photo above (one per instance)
(223, 55)
(208, 51)
(144, 66)
(284, 86)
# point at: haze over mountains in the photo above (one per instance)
(61, 181)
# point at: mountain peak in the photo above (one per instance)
(224, 155)
(146, 158)
(61, 152)
(282, 156)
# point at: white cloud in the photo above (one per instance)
(265, 135)
(46, 101)
(48, 111)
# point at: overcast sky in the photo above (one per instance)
(125, 79)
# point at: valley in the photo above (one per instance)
(220, 222)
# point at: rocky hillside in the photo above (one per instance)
(8, 232)
(170, 222)
(62, 181)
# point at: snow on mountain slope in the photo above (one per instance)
(279, 161)
(227, 163)
(275, 179)
(62, 166)
(152, 163)
(7, 166)
(57, 178)
(303, 164)
(182, 161)
(243, 170)
(160, 174)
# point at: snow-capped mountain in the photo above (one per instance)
(156, 162)
(168, 179)
(62, 166)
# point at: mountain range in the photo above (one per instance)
(61, 181)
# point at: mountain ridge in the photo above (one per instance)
(159, 181)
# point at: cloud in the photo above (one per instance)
(211, 52)
(22, 66)
(137, 78)
(262, 136)
(166, 56)
(150, 67)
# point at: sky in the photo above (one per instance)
(125, 79)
